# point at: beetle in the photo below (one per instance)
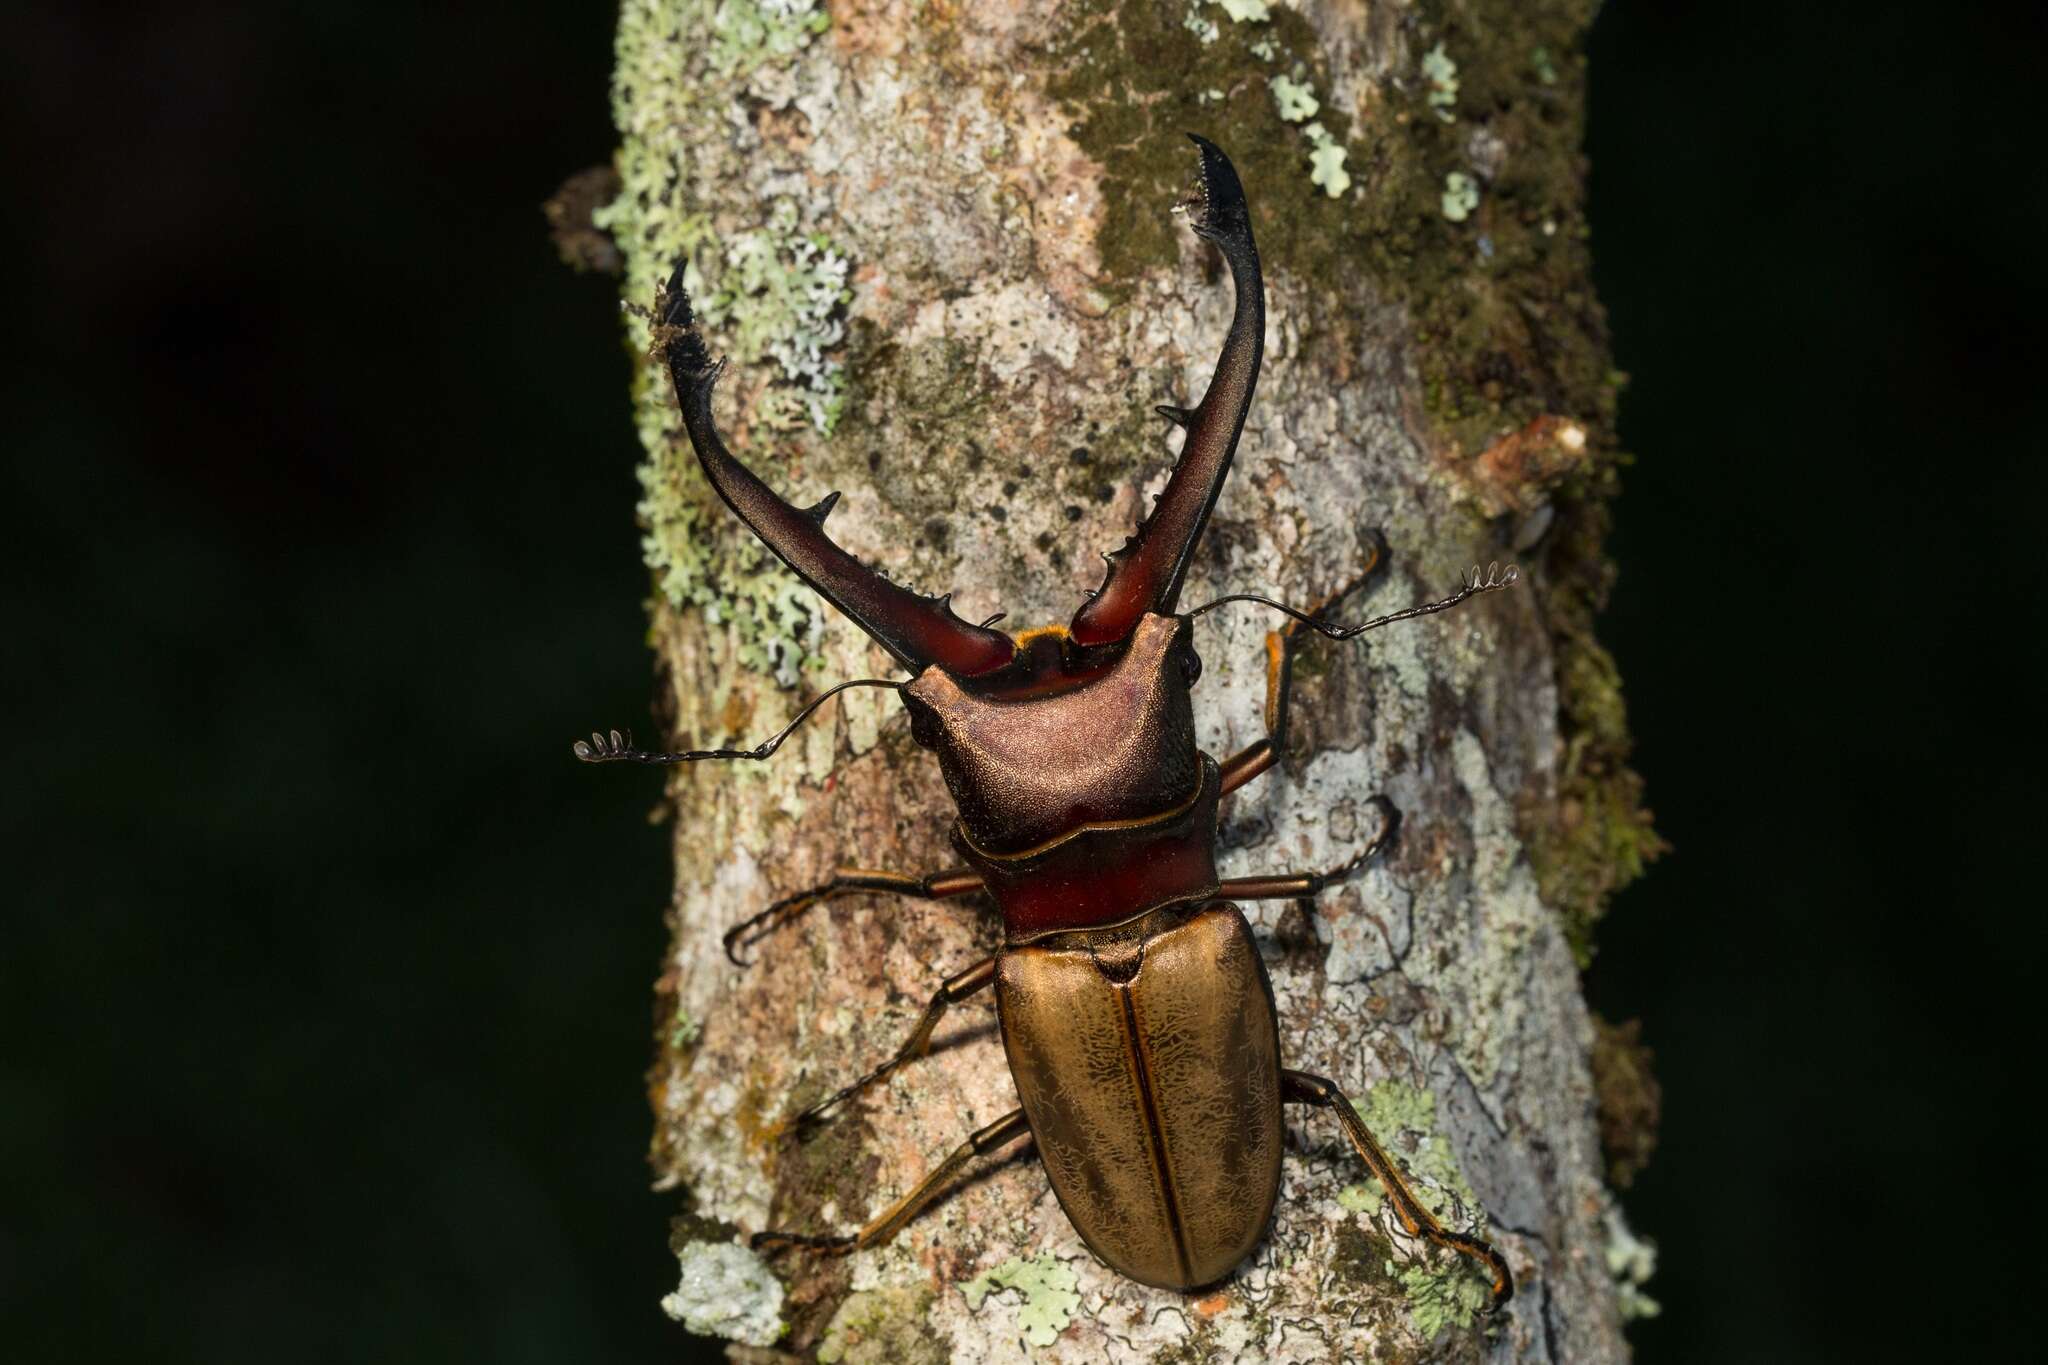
(1134, 1008)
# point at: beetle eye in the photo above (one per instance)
(1190, 666)
(924, 722)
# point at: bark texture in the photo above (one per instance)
(935, 241)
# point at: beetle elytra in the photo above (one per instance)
(1135, 1011)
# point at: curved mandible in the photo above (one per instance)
(918, 630)
(1146, 574)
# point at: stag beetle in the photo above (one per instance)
(1134, 1008)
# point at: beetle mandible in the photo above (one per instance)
(1134, 1008)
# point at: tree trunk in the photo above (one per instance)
(935, 240)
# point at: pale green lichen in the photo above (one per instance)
(1448, 1296)
(1461, 196)
(1544, 67)
(747, 33)
(1631, 1261)
(1201, 25)
(1364, 1199)
(1327, 160)
(1295, 99)
(779, 297)
(771, 295)
(1247, 11)
(1394, 1109)
(727, 1291)
(1047, 1287)
(683, 1031)
(1449, 1292)
(1441, 73)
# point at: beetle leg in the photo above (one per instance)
(1302, 884)
(891, 1220)
(1248, 763)
(1301, 1088)
(955, 989)
(932, 886)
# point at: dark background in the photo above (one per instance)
(324, 993)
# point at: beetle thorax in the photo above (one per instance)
(1119, 746)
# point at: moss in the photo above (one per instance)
(1136, 77)
(1509, 339)
(1629, 1098)
(1047, 1287)
(883, 1327)
(1365, 1257)
(1593, 835)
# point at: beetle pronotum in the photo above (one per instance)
(1134, 1008)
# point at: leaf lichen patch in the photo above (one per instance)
(1047, 1286)
(726, 1290)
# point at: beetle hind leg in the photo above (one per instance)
(922, 1196)
(1299, 1087)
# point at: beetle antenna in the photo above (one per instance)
(617, 748)
(1477, 580)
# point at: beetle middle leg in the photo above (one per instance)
(1298, 1087)
(934, 886)
(954, 989)
(891, 1220)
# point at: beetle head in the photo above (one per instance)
(1064, 736)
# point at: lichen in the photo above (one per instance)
(1295, 101)
(1442, 75)
(1460, 197)
(779, 297)
(1365, 1199)
(1440, 1296)
(882, 1327)
(683, 1030)
(770, 294)
(1394, 1109)
(726, 1291)
(1327, 161)
(1631, 1261)
(1047, 1289)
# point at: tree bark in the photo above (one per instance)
(936, 242)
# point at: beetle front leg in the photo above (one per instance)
(1248, 763)
(1299, 885)
(1298, 1087)
(891, 1220)
(930, 886)
(955, 988)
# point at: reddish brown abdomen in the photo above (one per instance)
(1147, 1058)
